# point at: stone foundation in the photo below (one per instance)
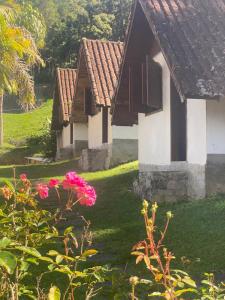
(109, 155)
(65, 153)
(162, 186)
(124, 151)
(80, 145)
(215, 174)
(95, 159)
(178, 181)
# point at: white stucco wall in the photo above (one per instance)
(154, 147)
(65, 137)
(80, 132)
(125, 132)
(196, 131)
(215, 126)
(95, 131)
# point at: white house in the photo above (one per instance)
(175, 82)
(98, 69)
(63, 97)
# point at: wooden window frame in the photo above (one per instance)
(105, 125)
(152, 110)
(71, 134)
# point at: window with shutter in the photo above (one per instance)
(88, 101)
(137, 87)
(105, 125)
(71, 133)
(154, 84)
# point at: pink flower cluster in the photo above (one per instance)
(42, 190)
(85, 193)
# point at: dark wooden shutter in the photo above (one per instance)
(137, 87)
(88, 102)
(154, 84)
(71, 133)
(105, 125)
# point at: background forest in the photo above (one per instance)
(66, 22)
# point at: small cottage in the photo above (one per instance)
(98, 70)
(172, 85)
(63, 97)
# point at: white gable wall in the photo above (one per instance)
(66, 137)
(80, 132)
(196, 132)
(95, 131)
(154, 147)
(215, 126)
(125, 132)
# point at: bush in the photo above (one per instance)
(166, 282)
(45, 142)
(33, 249)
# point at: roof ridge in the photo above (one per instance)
(72, 69)
(101, 41)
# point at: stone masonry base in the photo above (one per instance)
(178, 181)
(181, 180)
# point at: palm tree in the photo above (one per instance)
(18, 53)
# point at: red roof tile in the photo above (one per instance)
(66, 81)
(103, 59)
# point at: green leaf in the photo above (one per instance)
(59, 259)
(47, 259)
(90, 252)
(54, 293)
(33, 260)
(156, 294)
(4, 242)
(189, 281)
(53, 253)
(29, 250)
(184, 291)
(9, 184)
(68, 230)
(8, 261)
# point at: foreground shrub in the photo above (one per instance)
(32, 248)
(166, 282)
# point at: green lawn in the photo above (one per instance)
(197, 230)
(17, 128)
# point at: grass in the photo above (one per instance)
(197, 230)
(17, 128)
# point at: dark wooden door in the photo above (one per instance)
(178, 126)
(105, 124)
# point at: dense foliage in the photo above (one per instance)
(68, 21)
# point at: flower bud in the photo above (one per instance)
(134, 280)
(154, 207)
(169, 215)
(145, 204)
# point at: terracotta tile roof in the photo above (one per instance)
(191, 34)
(66, 80)
(63, 97)
(103, 59)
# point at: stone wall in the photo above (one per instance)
(179, 180)
(95, 159)
(79, 147)
(215, 174)
(65, 153)
(124, 150)
(162, 186)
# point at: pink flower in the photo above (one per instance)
(53, 183)
(23, 177)
(87, 195)
(42, 190)
(73, 181)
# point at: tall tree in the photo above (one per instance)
(18, 54)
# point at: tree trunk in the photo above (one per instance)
(1, 118)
